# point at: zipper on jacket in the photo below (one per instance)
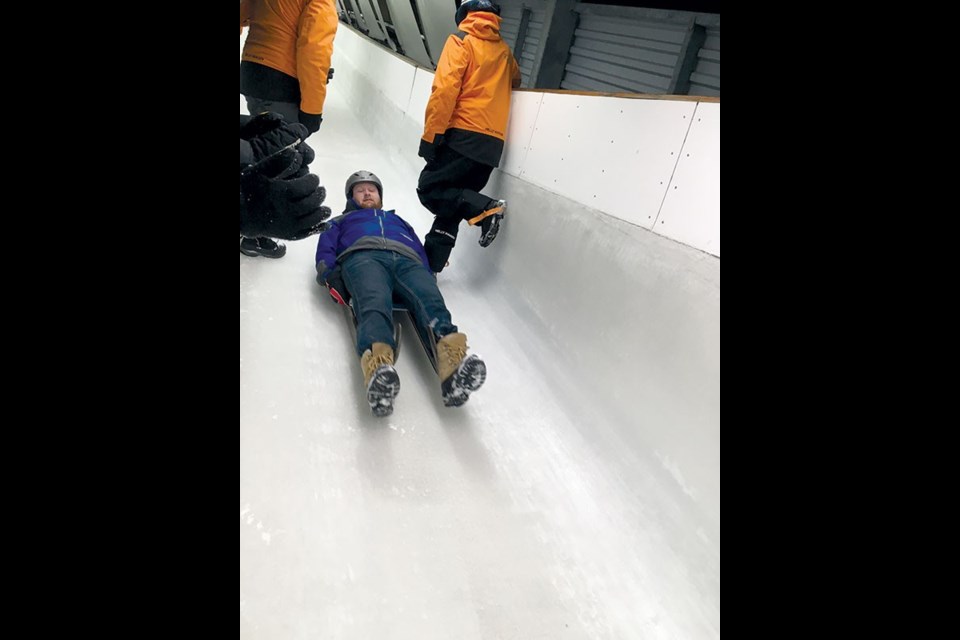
(383, 232)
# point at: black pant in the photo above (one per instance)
(449, 187)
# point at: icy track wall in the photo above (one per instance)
(611, 248)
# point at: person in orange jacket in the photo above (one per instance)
(465, 130)
(284, 69)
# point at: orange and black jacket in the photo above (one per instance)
(287, 53)
(470, 102)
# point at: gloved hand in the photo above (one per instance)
(329, 75)
(277, 202)
(261, 124)
(310, 121)
(268, 134)
(428, 150)
(338, 289)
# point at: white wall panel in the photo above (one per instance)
(523, 120)
(611, 154)
(343, 61)
(392, 75)
(379, 91)
(347, 43)
(691, 211)
(420, 95)
(351, 51)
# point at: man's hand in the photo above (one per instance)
(278, 200)
(311, 122)
(268, 135)
(428, 150)
(337, 288)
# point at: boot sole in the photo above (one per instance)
(487, 239)
(383, 389)
(469, 377)
(255, 254)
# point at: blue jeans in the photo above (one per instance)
(376, 278)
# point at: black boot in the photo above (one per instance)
(438, 245)
(265, 247)
(491, 222)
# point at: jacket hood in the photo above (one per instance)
(482, 24)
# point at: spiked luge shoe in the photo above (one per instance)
(490, 222)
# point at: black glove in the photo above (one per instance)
(260, 124)
(268, 134)
(329, 75)
(338, 289)
(310, 121)
(277, 202)
(268, 130)
(428, 150)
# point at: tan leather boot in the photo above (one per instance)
(380, 378)
(460, 374)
